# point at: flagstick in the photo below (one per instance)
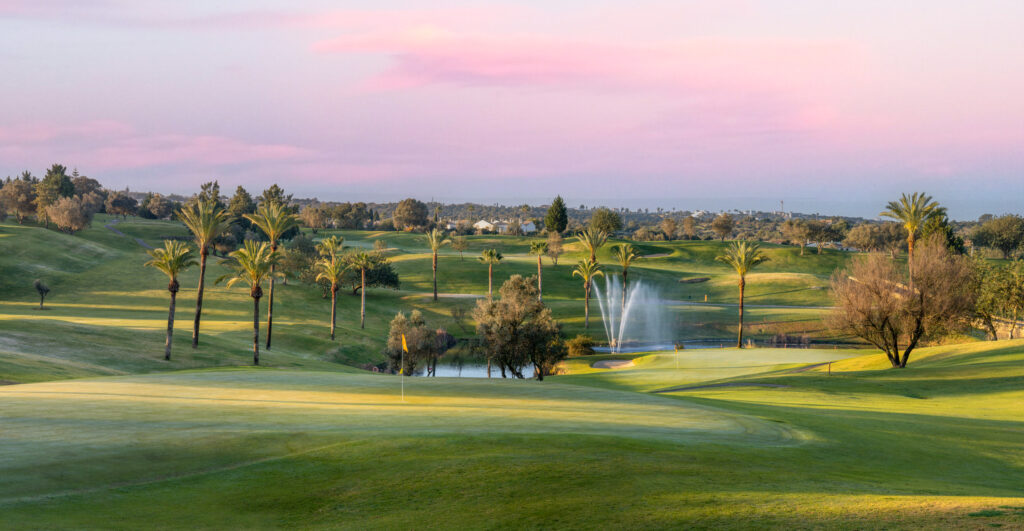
(401, 371)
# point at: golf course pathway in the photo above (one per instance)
(110, 225)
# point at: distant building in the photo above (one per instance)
(484, 225)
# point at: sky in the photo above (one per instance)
(831, 106)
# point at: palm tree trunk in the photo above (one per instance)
(203, 252)
(739, 337)
(622, 310)
(270, 302)
(540, 291)
(434, 263)
(490, 275)
(255, 330)
(170, 325)
(586, 305)
(362, 303)
(910, 258)
(334, 307)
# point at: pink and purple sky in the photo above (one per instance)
(832, 106)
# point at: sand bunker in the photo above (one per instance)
(612, 364)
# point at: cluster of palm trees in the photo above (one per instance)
(255, 264)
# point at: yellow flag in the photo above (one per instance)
(405, 346)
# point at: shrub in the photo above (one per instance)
(580, 345)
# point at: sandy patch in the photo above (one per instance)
(613, 364)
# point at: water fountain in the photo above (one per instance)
(640, 321)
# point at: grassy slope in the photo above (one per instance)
(935, 445)
(106, 310)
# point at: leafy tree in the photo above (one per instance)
(55, 185)
(84, 185)
(689, 227)
(241, 204)
(912, 211)
(274, 219)
(1005, 234)
(460, 244)
(742, 256)
(253, 265)
(625, 254)
(275, 196)
(797, 231)
(69, 214)
(435, 240)
(173, 258)
(939, 225)
(557, 218)
(19, 196)
(669, 227)
(991, 290)
(820, 233)
(209, 192)
(410, 214)
(207, 221)
(604, 220)
(314, 217)
(539, 249)
(491, 257)
(419, 338)
(555, 248)
(160, 207)
(587, 270)
(592, 241)
(331, 269)
(42, 289)
(723, 225)
(517, 330)
(121, 204)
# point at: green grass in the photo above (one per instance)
(112, 311)
(273, 447)
(112, 436)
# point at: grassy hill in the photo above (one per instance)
(937, 445)
(106, 313)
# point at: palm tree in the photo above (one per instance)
(539, 249)
(624, 254)
(587, 270)
(173, 258)
(491, 257)
(207, 220)
(332, 269)
(254, 265)
(436, 239)
(742, 256)
(592, 241)
(913, 211)
(274, 219)
(363, 261)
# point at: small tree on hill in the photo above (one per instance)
(121, 204)
(893, 311)
(689, 227)
(722, 225)
(42, 289)
(410, 214)
(604, 220)
(555, 248)
(19, 196)
(460, 244)
(55, 185)
(69, 214)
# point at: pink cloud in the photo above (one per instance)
(111, 145)
(430, 54)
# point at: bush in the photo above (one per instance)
(580, 345)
